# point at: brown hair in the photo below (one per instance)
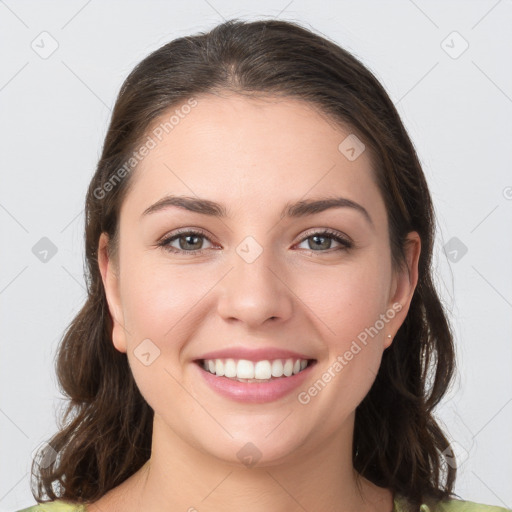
(105, 433)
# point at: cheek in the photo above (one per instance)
(158, 299)
(165, 304)
(353, 334)
(351, 301)
(161, 304)
(349, 298)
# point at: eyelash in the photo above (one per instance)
(164, 243)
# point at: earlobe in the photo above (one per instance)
(388, 340)
(111, 285)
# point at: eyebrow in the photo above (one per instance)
(293, 210)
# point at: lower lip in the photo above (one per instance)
(254, 392)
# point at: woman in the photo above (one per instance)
(262, 330)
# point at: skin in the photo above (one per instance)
(253, 156)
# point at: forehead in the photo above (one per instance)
(245, 151)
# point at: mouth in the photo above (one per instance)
(255, 382)
(266, 370)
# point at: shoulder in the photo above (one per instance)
(453, 505)
(54, 506)
(449, 505)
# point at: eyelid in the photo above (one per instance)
(174, 235)
(333, 233)
(342, 239)
(182, 231)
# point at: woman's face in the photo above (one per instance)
(257, 277)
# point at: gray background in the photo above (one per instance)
(456, 105)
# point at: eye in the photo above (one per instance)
(189, 241)
(323, 240)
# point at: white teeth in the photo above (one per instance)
(260, 370)
(229, 368)
(245, 369)
(288, 367)
(219, 367)
(277, 368)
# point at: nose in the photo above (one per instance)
(255, 291)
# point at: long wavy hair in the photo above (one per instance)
(105, 431)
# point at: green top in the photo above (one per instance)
(445, 506)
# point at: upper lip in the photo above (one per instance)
(251, 354)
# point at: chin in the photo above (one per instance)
(256, 449)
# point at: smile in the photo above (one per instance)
(244, 370)
(254, 381)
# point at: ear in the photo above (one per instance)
(403, 285)
(110, 277)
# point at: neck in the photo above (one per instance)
(181, 477)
